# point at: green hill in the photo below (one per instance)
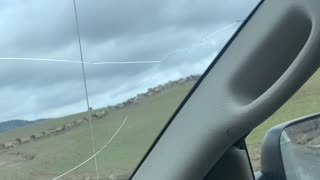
(51, 156)
(54, 154)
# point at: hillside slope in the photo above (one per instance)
(51, 156)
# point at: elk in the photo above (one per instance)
(8, 145)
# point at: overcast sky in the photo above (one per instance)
(177, 33)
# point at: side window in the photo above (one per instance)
(306, 101)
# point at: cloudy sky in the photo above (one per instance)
(176, 35)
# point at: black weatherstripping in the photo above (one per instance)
(196, 86)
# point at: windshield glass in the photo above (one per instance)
(86, 86)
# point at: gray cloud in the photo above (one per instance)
(110, 31)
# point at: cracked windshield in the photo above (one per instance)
(86, 86)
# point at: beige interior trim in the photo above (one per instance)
(268, 61)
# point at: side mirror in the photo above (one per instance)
(291, 150)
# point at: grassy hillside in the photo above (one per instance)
(53, 155)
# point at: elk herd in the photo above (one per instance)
(96, 114)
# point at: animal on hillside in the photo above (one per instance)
(34, 137)
(18, 140)
(25, 139)
(69, 125)
(79, 121)
(8, 145)
(119, 106)
(51, 130)
(107, 111)
(59, 129)
(99, 115)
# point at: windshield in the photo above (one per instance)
(86, 86)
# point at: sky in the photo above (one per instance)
(177, 36)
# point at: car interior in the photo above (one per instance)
(274, 52)
(160, 90)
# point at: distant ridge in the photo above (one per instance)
(99, 113)
(13, 124)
